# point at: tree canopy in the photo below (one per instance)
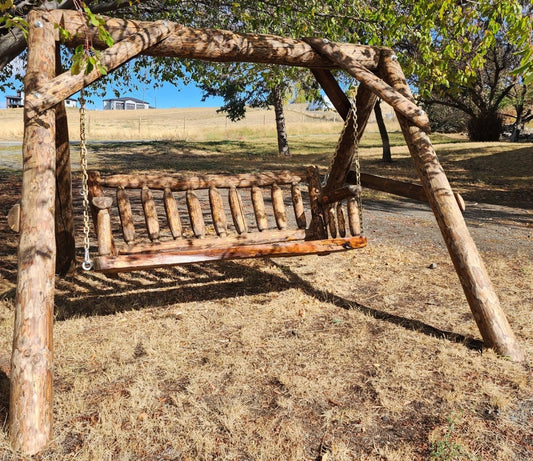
(444, 47)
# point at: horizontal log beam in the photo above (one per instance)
(336, 53)
(400, 188)
(215, 45)
(184, 183)
(61, 87)
(144, 261)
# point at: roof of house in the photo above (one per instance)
(126, 99)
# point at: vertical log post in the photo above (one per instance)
(482, 298)
(30, 414)
(126, 216)
(65, 243)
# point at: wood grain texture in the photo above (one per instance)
(280, 214)
(126, 216)
(65, 239)
(402, 104)
(217, 211)
(30, 413)
(341, 220)
(49, 93)
(216, 45)
(298, 205)
(258, 204)
(186, 182)
(195, 214)
(318, 218)
(354, 218)
(479, 291)
(150, 213)
(173, 215)
(237, 211)
(143, 261)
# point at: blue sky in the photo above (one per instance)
(164, 97)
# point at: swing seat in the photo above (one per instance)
(260, 225)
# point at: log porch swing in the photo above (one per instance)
(47, 231)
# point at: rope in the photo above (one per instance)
(87, 263)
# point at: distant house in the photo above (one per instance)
(13, 102)
(125, 104)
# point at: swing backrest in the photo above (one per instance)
(126, 211)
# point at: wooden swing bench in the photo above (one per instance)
(128, 242)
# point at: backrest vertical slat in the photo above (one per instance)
(150, 213)
(353, 217)
(173, 215)
(217, 211)
(298, 205)
(195, 214)
(237, 211)
(259, 208)
(126, 217)
(332, 219)
(341, 219)
(318, 219)
(279, 207)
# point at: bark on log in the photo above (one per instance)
(340, 194)
(49, 93)
(332, 220)
(318, 218)
(258, 204)
(173, 215)
(216, 45)
(400, 188)
(30, 414)
(150, 213)
(217, 211)
(298, 205)
(13, 217)
(183, 183)
(279, 207)
(65, 240)
(105, 239)
(354, 217)
(482, 298)
(364, 103)
(195, 214)
(237, 211)
(335, 52)
(344, 155)
(152, 260)
(126, 216)
(341, 220)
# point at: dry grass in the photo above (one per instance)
(364, 355)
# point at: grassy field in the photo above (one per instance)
(363, 355)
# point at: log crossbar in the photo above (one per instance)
(183, 220)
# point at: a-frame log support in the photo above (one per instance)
(482, 298)
(30, 413)
(65, 241)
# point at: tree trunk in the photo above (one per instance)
(487, 126)
(383, 133)
(283, 142)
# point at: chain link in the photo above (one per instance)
(87, 263)
(355, 162)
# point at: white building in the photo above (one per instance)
(14, 101)
(125, 104)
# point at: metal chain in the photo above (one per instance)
(357, 166)
(87, 263)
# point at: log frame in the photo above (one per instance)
(482, 298)
(30, 415)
